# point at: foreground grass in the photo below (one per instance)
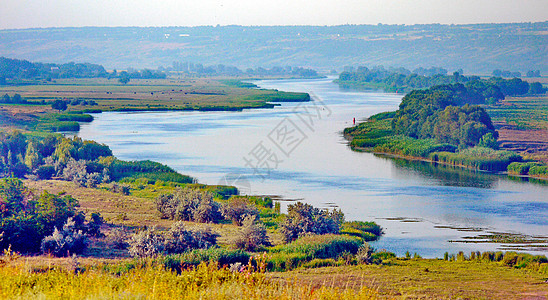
(203, 282)
(428, 279)
(394, 279)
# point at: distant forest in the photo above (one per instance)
(403, 80)
(479, 48)
(14, 71)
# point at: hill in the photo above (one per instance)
(479, 48)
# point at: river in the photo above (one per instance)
(297, 151)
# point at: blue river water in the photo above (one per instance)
(296, 151)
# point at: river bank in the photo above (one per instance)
(361, 184)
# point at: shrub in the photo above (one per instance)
(302, 250)
(45, 172)
(319, 263)
(63, 243)
(304, 218)
(223, 257)
(237, 209)
(369, 231)
(119, 188)
(521, 168)
(363, 255)
(146, 243)
(541, 171)
(118, 238)
(189, 205)
(207, 210)
(379, 257)
(120, 169)
(179, 240)
(253, 235)
(93, 227)
(480, 158)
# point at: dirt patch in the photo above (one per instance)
(529, 143)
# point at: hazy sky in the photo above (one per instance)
(62, 13)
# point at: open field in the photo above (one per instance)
(522, 123)
(394, 279)
(101, 94)
(428, 279)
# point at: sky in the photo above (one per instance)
(78, 13)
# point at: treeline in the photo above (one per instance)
(22, 69)
(137, 74)
(86, 163)
(401, 79)
(221, 69)
(14, 70)
(512, 74)
(15, 99)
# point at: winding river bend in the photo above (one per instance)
(302, 155)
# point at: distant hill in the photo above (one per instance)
(479, 48)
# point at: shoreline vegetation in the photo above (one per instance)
(77, 222)
(450, 124)
(30, 107)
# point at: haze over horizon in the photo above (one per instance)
(20, 14)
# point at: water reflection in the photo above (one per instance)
(324, 172)
(443, 174)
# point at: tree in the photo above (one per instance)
(123, 77)
(253, 234)
(123, 80)
(60, 105)
(536, 88)
(303, 218)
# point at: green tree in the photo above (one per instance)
(124, 77)
(59, 105)
(488, 140)
(32, 156)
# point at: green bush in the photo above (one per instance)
(224, 257)
(45, 172)
(319, 263)
(321, 246)
(368, 231)
(303, 219)
(154, 171)
(25, 220)
(305, 249)
(379, 257)
(59, 126)
(189, 205)
(252, 235)
(521, 168)
(74, 117)
(479, 158)
(539, 171)
(286, 261)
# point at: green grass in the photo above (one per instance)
(308, 248)
(376, 135)
(480, 158)
(200, 94)
(522, 112)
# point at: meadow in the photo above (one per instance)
(95, 95)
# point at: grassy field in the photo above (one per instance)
(397, 278)
(428, 279)
(522, 123)
(137, 95)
